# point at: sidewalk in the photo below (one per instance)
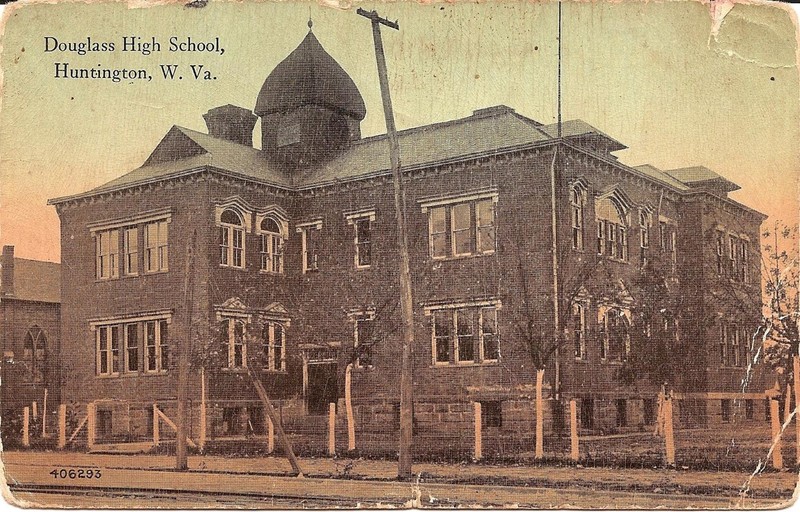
(777, 485)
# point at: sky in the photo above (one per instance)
(654, 76)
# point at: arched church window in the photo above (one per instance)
(35, 353)
(231, 239)
(612, 234)
(271, 246)
(576, 213)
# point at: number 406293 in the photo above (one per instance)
(73, 474)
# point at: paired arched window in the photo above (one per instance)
(271, 246)
(35, 353)
(612, 234)
(231, 239)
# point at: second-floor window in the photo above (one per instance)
(730, 350)
(107, 254)
(363, 242)
(576, 208)
(231, 239)
(578, 326)
(130, 250)
(612, 235)
(462, 229)
(310, 245)
(156, 252)
(271, 246)
(644, 236)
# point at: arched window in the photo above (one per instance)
(612, 235)
(615, 340)
(576, 208)
(271, 246)
(35, 353)
(231, 239)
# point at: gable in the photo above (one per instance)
(174, 146)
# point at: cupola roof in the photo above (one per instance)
(310, 76)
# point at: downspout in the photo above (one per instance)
(554, 251)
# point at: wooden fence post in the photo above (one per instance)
(574, 451)
(156, 426)
(270, 436)
(787, 410)
(44, 414)
(539, 415)
(62, 426)
(35, 409)
(796, 364)
(332, 429)
(668, 433)
(348, 405)
(91, 424)
(26, 425)
(777, 456)
(478, 431)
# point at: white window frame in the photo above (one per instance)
(356, 316)
(451, 310)
(159, 248)
(735, 347)
(579, 311)
(230, 325)
(100, 325)
(353, 219)
(272, 329)
(158, 356)
(457, 336)
(137, 347)
(271, 247)
(576, 197)
(448, 203)
(229, 232)
(107, 251)
(303, 229)
(482, 311)
(130, 250)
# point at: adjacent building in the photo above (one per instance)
(281, 262)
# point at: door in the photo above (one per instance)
(322, 387)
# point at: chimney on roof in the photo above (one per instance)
(7, 271)
(231, 123)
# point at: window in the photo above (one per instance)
(578, 325)
(35, 354)
(156, 348)
(489, 343)
(108, 344)
(232, 334)
(271, 246)
(156, 253)
(130, 245)
(748, 409)
(364, 339)
(644, 236)
(274, 344)
(132, 348)
(458, 331)
(107, 254)
(309, 238)
(576, 208)
(587, 413)
(119, 345)
(442, 325)
(735, 352)
(492, 413)
(725, 409)
(649, 412)
(231, 239)
(462, 229)
(720, 255)
(743, 257)
(612, 238)
(363, 242)
(614, 339)
(622, 412)
(723, 345)
(465, 351)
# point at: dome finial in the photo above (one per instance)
(310, 23)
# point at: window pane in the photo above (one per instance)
(132, 344)
(466, 350)
(164, 344)
(491, 348)
(363, 242)
(484, 213)
(462, 238)
(438, 235)
(441, 328)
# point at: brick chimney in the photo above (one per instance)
(231, 123)
(7, 276)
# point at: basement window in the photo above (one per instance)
(492, 413)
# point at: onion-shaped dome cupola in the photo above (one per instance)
(309, 106)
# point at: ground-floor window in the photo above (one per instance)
(622, 412)
(725, 409)
(587, 413)
(256, 424)
(231, 421)
(748, 409)
(492, 413)
(649, 411)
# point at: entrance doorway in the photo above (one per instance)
(322, 387)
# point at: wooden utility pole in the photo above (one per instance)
(276, 423)
(184, 343)
(406, 305)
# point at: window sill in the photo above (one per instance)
(228, 369)
(465, 365)
(131, 375)
(155, 272)
(269, 272)
(232, 267)
(612, 362)
(264, 370)
(581, 360)
(363, 267)
(435, 259)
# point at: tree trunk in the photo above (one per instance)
(539, 414)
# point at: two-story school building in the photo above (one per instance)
(294, 270)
